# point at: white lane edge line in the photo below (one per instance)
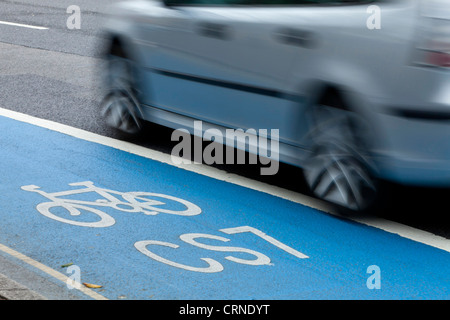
(50, 272)
(386, 225)
(22, 25)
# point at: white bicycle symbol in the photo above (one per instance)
(139, 202)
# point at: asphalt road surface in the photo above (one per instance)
(53, 74)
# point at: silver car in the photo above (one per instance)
(359, 90)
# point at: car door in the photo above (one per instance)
(225, 64)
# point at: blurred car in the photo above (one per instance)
(356, 100)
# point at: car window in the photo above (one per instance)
(262, 2)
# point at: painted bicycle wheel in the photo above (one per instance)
(71, 214)
(154, 203)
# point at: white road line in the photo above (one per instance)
(22, 25)
(388, 226)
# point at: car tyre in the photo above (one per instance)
(120, 106)
(338, 169)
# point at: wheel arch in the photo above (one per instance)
(332, 94)
(344, 98)
(116, 43)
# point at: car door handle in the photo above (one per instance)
(296, 37)
(214, 30)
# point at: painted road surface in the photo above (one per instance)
(143, 229)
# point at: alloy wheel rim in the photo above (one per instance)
(337, 176)
(120, 107)
(337, 170)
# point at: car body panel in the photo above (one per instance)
(263, 67)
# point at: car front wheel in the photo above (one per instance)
(120, 107)
(338, 169)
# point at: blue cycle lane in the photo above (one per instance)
(143, 229)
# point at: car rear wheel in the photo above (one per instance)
(338, 169)
(120, 107)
